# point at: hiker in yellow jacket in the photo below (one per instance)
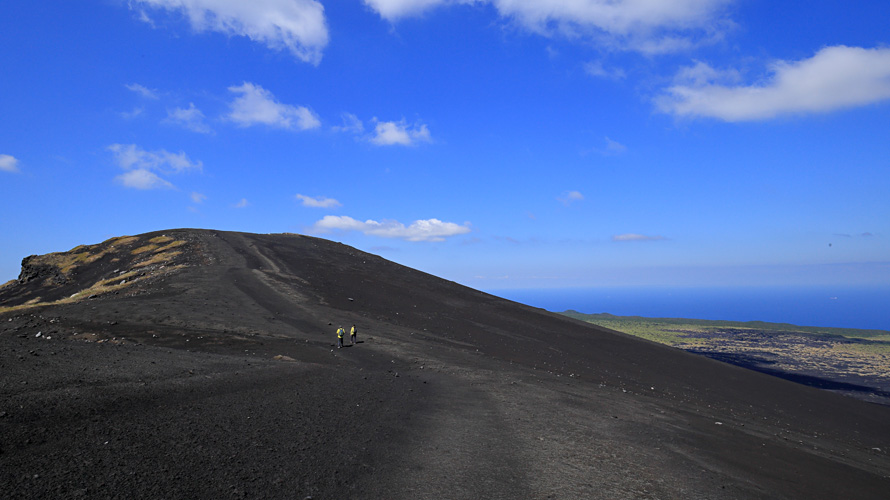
(352, 334)
(340, 333)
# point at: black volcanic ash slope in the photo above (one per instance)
(145, 366)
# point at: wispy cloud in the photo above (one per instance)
(131, 156)
(143, 167)
(636, 237)
(197, 197)
(509, 239)
(598, 70)
(243, 203)
(399, 133)
(393, 10)
(9, 163)
(613, 148)
(386, 133)
(297, 26)
(129, 115)
(318, 202)
(834, 78)
(847, 235)
(141, 178)
(190, 118)
(419, 230)
(257, 106)
(142, 90)
(351, 123)
(570, 197)
(642, 25)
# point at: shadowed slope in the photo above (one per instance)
(452, 393)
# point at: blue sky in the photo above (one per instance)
(496, 143)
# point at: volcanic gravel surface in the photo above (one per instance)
(203, 364)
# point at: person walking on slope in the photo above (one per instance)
(340, 333)
(352, 334)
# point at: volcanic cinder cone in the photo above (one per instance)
(203, 364)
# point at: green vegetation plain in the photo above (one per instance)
(853, 361)
(669, 330)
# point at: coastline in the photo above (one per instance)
(862, 307)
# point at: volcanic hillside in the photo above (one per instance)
(203, 364)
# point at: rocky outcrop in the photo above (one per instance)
(32, 270)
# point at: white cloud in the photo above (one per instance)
(636, 237)
(298, 26)
(319, 202)
(834, 78)
(198, 197)
(420, 230)
(613, 16)
(142, 90)
(190, 118)
(386, 133)
(144, 166)
(650, 26)
(257, 105)
(395, 9)
(392, 133)
(242, 204)
(9, 163)
(569, 197)
(141, 178)
(131, 156)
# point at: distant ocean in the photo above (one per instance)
(841, 307)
